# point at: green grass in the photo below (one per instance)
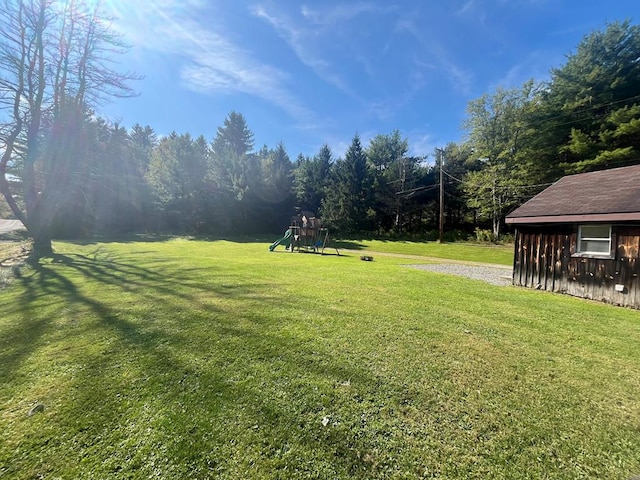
(471, 252)
(193, 359)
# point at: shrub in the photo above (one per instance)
(484, 236)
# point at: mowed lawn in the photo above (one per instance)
(478, 253)
(218, 359)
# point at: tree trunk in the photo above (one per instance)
(42, 244)
(39, 229)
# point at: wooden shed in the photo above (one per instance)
(581, 236)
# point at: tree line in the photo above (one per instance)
(66, 172)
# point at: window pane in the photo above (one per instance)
(595, 231)
(596, 246)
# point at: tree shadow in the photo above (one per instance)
(164, 237)
(187, 380)
(348, 245)
(126, 238)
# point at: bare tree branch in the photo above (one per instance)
(56, 60)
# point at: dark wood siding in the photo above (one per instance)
(627, 265)
(545, 259)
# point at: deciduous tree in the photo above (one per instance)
(55, 63)
(498, 129)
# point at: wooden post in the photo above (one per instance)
(441, 222)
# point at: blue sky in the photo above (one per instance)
(314, 72)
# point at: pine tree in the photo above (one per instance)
(591, 103)
(312, 177)
(348, 197)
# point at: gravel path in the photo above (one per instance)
(491, 273)
(494, 275)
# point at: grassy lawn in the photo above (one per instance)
(484, 253)
(194, 359)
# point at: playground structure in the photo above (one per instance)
(305, 233)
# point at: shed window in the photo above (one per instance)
(594, 239)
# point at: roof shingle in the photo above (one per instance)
(605, 195)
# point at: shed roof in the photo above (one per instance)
(604, 196)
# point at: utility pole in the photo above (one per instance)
(441, 223)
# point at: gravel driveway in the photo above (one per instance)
(494, 275)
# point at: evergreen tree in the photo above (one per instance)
(142, 142)
(116, 201)
(234, 176)
(346, 205)
(145, 139)
(276, 193)
(458, 162)
(277, 175)
(396, 177)
(176, 174)
(590, 108)
(312, 177)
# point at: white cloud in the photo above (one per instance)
(339, 146)
(317, 37)
(422, 144)
(342, 13)
(302, 42)
(466, 7)
(438, 58)
(474, 11)
(388, 108)
(536, 66)
(211, 63)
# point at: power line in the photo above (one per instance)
(545, 121)
(417, 189)
(451, 176)
(536, 185)
(453, 196)
(595, 107)
(441, 215)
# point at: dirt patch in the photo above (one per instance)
(13, 255)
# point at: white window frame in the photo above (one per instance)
(604, 240)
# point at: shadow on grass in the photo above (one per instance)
(241, 239)
(348, 244)
(128, 238)
(159, 237)
(192, 373)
